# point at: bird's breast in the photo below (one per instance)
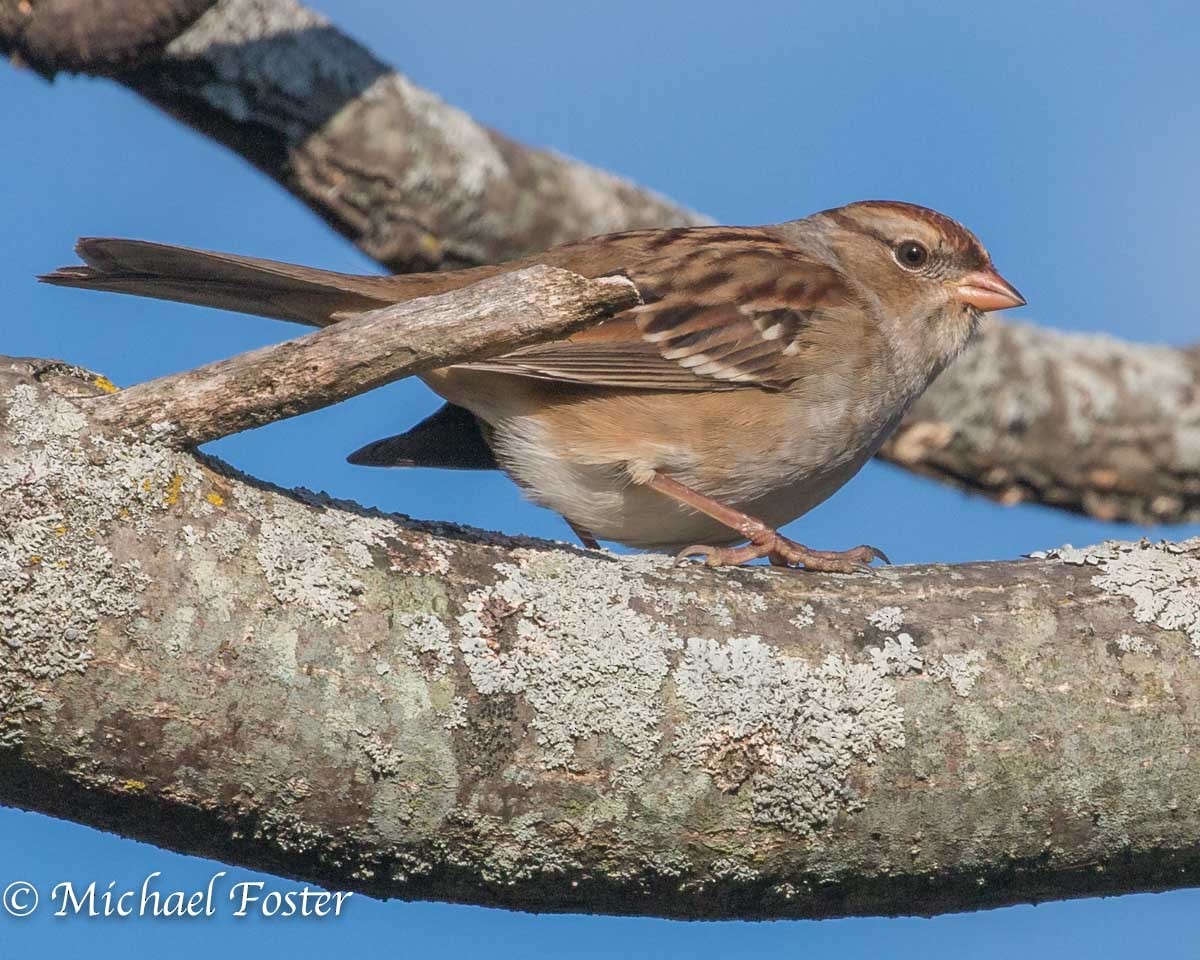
(772, 455)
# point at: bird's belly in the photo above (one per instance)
(599, 493)
(582, 452)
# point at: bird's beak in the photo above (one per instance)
(987, 290)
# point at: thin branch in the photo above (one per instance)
(303, 686)
(286, 379)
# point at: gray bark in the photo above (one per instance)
(278, 680)
(1086, 424)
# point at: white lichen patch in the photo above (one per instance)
(59, 495)
(898, 655)
(431, 556)
(34, 417)
(385, 761)
(1162, 580)
(518, 849)
(793, 729)
(563, 633)
(961, 670)
(1130, 644)
(312, 556)
(228, 536)
(805, 616)
(887, 619)
(127, 480)
(455, 716)
(424, 634)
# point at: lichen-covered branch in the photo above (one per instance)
(1090, 425)
(360, 353)
(304, 686)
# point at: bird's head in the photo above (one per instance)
(931, 276)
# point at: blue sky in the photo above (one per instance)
(1067, 135)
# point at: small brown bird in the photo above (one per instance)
(765, 366)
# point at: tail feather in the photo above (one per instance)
(266, 288)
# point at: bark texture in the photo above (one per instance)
(304, 686)
(92, 36)
(364, 352)
(1086, 424)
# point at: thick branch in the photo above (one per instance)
(318, 369)
(1086, 424)
(277, 680)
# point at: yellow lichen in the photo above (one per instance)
(431, 245)
(215, 499)
(61, 530)
(173, 489)
(134, 786)
(104, 384)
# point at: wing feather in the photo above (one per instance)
(724, 309)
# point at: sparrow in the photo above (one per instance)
(763, 368)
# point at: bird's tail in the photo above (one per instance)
(267, 288)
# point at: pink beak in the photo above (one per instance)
(987, 290)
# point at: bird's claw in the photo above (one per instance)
(782, 552)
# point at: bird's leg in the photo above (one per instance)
(764, 540)
(586, 537)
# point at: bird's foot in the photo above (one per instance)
(782, 552)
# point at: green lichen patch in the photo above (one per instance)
(73, 501)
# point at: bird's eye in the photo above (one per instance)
(911, 255)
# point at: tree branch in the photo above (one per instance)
(194, 658)
(287, 379)
(418, 185)
(274, 679)
(92, 36)
(414, 182)
(1089, 424)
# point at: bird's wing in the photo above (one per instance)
(724, 308)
